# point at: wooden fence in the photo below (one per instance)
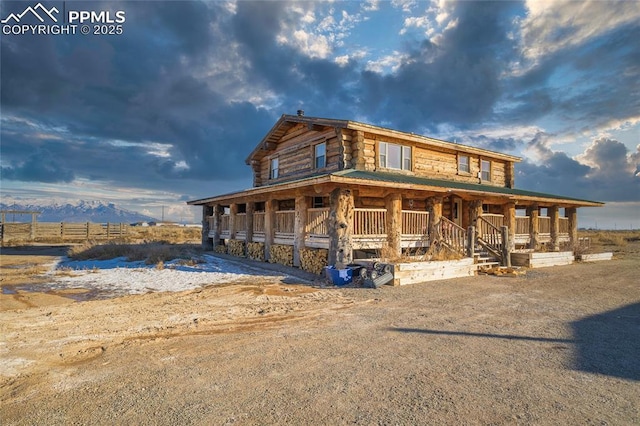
(47, 231)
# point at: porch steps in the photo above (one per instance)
(484, 260)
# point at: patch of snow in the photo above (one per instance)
(118, 276)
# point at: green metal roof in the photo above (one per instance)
(416, 180)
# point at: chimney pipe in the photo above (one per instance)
(300, 112)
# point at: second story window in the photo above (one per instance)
(393, 156)
(485, 170)
(463, 164)
(273, 169)
(320, 155)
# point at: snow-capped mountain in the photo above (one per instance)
(80, 211)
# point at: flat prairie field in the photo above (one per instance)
(557, 345)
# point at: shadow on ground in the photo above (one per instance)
(606, 343)
(609, 343)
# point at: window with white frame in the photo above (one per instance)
(463, 164)
(273, 168)
(320, 155)
(394, 156)
(485, 170)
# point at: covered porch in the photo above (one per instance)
(353, 214)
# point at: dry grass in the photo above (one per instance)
(434, 252)
(135, 234)
(608, 240)
(150, 253)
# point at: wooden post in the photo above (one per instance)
(251, 208)
(299, 228)
(32, 234)
(207, 243)
(393, 204)
(108, 231)
(270, 208)
(340, 226)
(572, 215)
(475, 211)
(62, 230)
(233, 211)
(554, 218)
(506, 251)
(88, 230)
(471, 241)
(509, 212)
(217, 223)
(534, 226)
(434, 207)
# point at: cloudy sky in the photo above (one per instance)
(168, 110)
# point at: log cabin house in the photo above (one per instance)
(330, 191)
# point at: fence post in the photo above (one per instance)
(32, 233)
(62, 230)
(506, 245)
(88, 230)
(471, 241)
(108, 231)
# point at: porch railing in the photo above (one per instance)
(522, 226)
(415, 223)
(285, 223)
(489, 237)
(544, 225)
(563, 226)
(453, 236)
(258, 223)
(240, 225)
(317, 222)
(225, 230)
(369, 222)
(496, 220)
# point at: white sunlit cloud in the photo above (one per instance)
(552, 25)
(387, 64)
(316, 30)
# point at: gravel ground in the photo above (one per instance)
(558, 345)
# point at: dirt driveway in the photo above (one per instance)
(559, 345)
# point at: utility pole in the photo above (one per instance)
(162, 214)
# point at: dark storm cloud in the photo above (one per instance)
(320, 86)
(607, 176)
(457, 81)
(140, 88)
(601, 81)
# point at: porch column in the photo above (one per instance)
(270, 207)
(434, 207)
(393, 204)
(572, 215)
(233, 210)
(340, 226)
(475, 211)
(534, 226)
(251, 208)
(206, 241)
(554, 218)
(509, 213)
(299, 228)
(217, 219)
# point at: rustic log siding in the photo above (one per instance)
(296, 156)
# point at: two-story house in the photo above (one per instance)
(347, 189)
